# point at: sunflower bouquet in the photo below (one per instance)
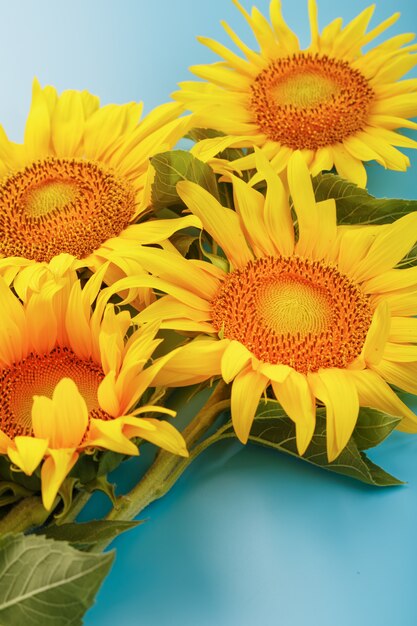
(250, 270)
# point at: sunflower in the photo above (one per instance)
(322, 316)
(336, 104)
(81, 179)
(70, 380)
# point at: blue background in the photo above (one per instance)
(247, 536)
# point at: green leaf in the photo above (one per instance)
(272, 428)
(102, 484)
(356, 205)
(47, 582)
(176, 165)
(373, 427)
(85, 535)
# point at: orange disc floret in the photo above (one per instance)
(57, 205)
(38, 375)
(310, 101)
(293, 311)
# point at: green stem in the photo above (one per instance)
(77, 506)
(167, 467)
(25, 515)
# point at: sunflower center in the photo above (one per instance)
(293, 311)
(62, 205)
(39, 375)
(50, 196)
(307, 101)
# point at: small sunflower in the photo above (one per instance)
(323, 316)
(81, 179)
(336, 104)
(70, 380)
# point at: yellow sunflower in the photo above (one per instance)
(323, 316)
(80, 180)
(338, 105)
(70, 380)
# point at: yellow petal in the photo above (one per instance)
(41, 318)
(38, 125)
(110, 436)
(63, 419)
(249, 204)
(77, 322)
(392, 280)
(193, 363)
(389, 247)
(402, 375)
(302, 194)
(323, 160)
(377, 336)
(174, 268)
(285, 35)
(222, 224)
(27, 452)
(234, 359)
(252, 56)
(348, 166)
(355, 244)
(298, 402)
(276, 373)
(337, 390)
(105, 126)
(150, 408)
(327, 232)
(68, 123)
(400, 353)
(379, 29)
(169, 309)
(163, 435)
(5, 442)
(156, 231)
(374, 392)
(247, 389)
(234, 61)
(107, 395)
(277, 213)
(403, 329)
(314, 27)
(352, 34)
(13, 328)
(54, 471)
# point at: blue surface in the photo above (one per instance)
(247, 536)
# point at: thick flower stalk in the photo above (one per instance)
(319, 315)
(338, 105)
(71, 379)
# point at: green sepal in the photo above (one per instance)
(102, 484)
(11, 492)
(90, 466)
(66, 492)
